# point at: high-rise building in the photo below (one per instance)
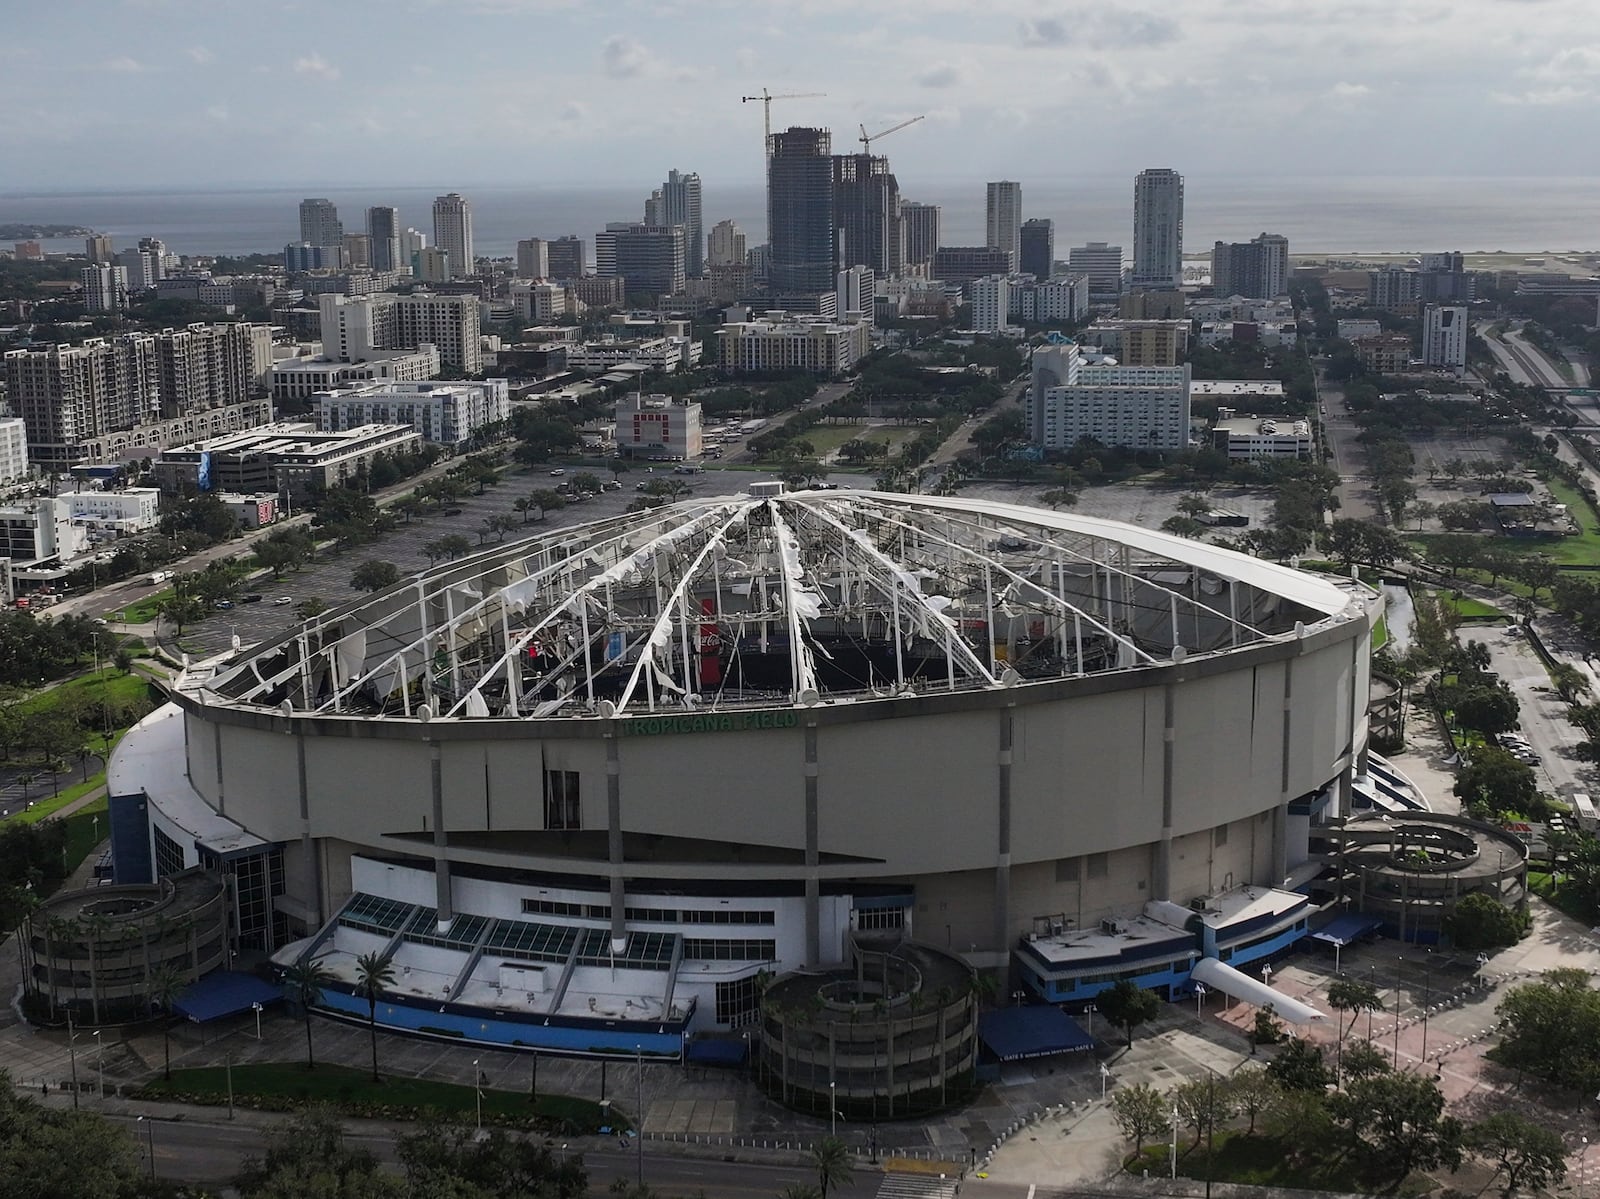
(204, 366)
(1140, 407)
(319, 223)
(567, 256)
(357, 250)
(800, 217)
(452, 232)
(432, 265)
(1102, 263)
(990, 298)
(97, 247)
(142, 267)
(1038, 248)
(383, 228)
(306, 257)
(866, 209)
(1257, 269)
(354, 326)
(1444, 336)
(648, 258)
(105, 288)
(677, 202)
(857, 287)
(533, 258)
(1003, 218)
(920, 223)
(726, 245)
(1158, 229)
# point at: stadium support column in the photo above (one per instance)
(619, 915)
(1161, 886)
(1002, 864)
(813, 856)
(441, 861)
(1280, 814)
(308, 845)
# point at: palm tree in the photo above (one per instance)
(800, 1190)
(831, 1160)
(1353, 996)
(374, 972)
(166, 984)
(306, 981)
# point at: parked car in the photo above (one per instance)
(284, 600)
(253, 598)
(224, 605)
(557, 473)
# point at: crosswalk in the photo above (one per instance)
(916, 1186)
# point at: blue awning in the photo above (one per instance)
(717, 1052)
(224, 993)
(1015, 1033)
(1342, 930)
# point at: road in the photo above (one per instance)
(961, 440)
(201, 1149)
(1544, 715)
(1520, 358)
(1340, 434)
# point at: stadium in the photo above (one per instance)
(592, 790)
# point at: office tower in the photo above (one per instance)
(866, 209)
(963, 264)
(800, 217)
(1255, 269)
(105, 288)
(319, 223)
(567, 256)
(857, 287)
(681, 205)
(648, 258)
(357, 250)
(725, 246)
(920, 223)
(1158, 229)
(304, 257)
(452, 232)
(1444, 336)
(990, 298)
(533, 258)
(383, 228)
(1102, 263)
(1038, 248)
(411, 242)
(97, 248)
(140, 268)
(1003, 218)
(433, 265)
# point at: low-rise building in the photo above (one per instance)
(963, 264)
(1263, 394)
(1138, 407)
(448, 414)
(655, 353)
(1350, 328)
(40, 530)
(1240, 308)
(13, 449)
(251, 511)
(302, 378)
(1261, 436)
(1140, 342)
(538, 301)
(1384, 353)
(1261, 333)
(782, 341)
(658, 426)
(290, 458)
(132, 510)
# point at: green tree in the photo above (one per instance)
(1490, 710)
(306, 1158)
(1060, 497)
(374, 575)
(1537, 573)
(458, 1161)
(166, 984)
(1527, 1152)
(306, 980)
(1401, 1118)
(1551, 1029)
(1128, 1005)
(1202, 1105)
(1456, 551)
(374, 972)
(1497, 782)
(1140, 1111)
(62, 1154)
(454, 545)
(1268, 1029)
(1363, 1059)
(831, 1160)
(1298, 1067)
(1251, 1091)
(1480, 921)
(1353, 996)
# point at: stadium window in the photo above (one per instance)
(1097, 865)
(1219, 836)
(561, 809)
(1068, 870)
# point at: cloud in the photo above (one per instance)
(200, 54)
(624, 58)
(315, 64)
(574, 111)
(942, 74)
(1575, 62)
(1137, 29)
(126, 65)
(1044, 31)
(218, 112)
(1544, 97)
(1349, 91)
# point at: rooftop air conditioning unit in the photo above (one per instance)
(1199, 902)
(1109, 927)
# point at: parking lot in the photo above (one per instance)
(328, 578)
(1144, 504)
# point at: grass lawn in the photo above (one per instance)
(1471, 609)
(144, 611)
(116, 687)
(1265, 1161)
(1563, 899)
(1380, 634)
(291, 1084)
(86, 828)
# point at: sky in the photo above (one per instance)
(115, 94)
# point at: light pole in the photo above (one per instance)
(100, 1063)
(72, 1053)
(1199, 999)
(150, 1140)
(1427, 999)
(477, 1091)
(1172, 1149)
(1372, 978)
(1399, 982)
(638, 1052)
(1104, 1075)
(1266, 973)
(1583, 1161)
(833, 1108)
(1089, 1011)
(256, 1007)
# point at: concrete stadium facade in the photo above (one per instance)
(608, 778)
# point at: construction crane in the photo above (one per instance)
(766, 99)
(868, 138)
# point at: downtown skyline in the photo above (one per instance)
(1013, 90)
